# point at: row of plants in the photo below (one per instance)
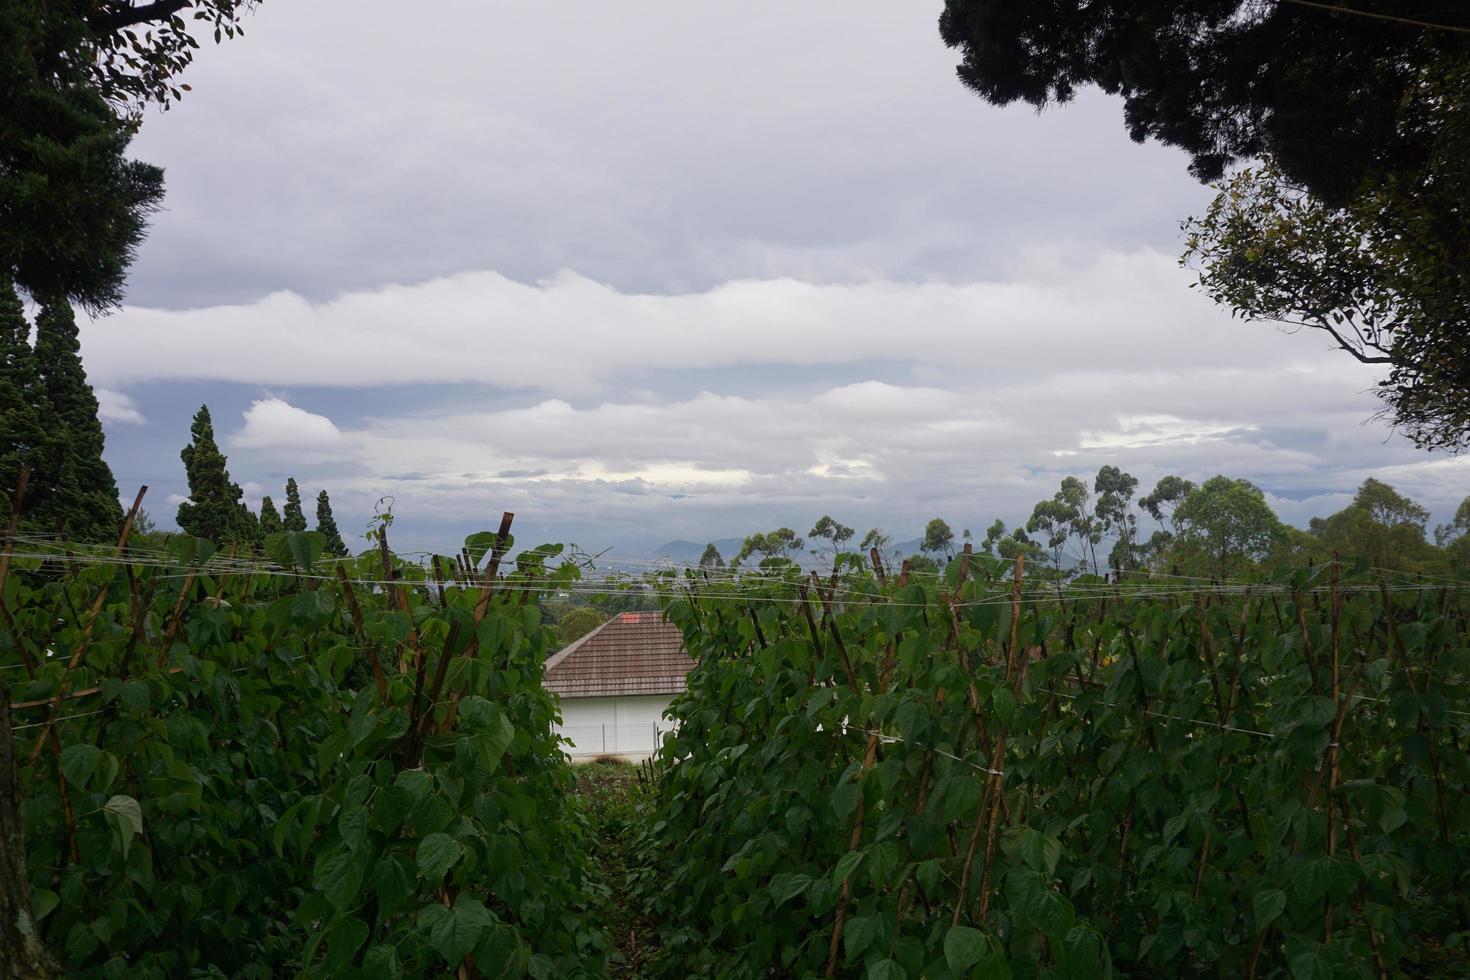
(335, 770)
(962, 776)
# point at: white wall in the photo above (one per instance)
(624, 725)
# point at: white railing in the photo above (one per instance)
(610, 739)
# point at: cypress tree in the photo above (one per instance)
(327, 524)
(270, 520)
(294, 518)
(94, 513)
(29, 433)
(214, 509)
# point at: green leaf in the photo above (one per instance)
(79, 762)
(964, 947)
(1040, 851)
(344, 938)
(1266, 906)
(438, 853)
(352, 826)
(381, 963)
(845, 800)
(858, 934)
(43, 903)
(125, 816)
(887, 970)
(339, 878)
(454, 932)
(394, 882)
(846, 865)
(786, 886)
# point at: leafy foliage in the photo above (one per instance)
(966, 777)
(214, 510)
(261, 775)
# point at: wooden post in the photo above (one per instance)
(22, 954)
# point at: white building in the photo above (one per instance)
(615, 683)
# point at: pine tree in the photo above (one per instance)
(29, 433)
(327, 525)
(294, 518)
(93, 513)
(270, 520)
(214, 509)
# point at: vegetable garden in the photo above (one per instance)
(969, 776)
(283, 766)
(235, 772)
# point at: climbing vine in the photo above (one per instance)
(962, 776)
(288, 767)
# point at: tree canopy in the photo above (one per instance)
(1359, 224)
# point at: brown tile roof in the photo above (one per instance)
(633, 653)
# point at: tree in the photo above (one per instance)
(327, 525)
(1337, 99)
(1362, 122)
(836, 534)
(77, 77)
(93, 513)
(1168, 493)
(1224, 526)
(1115, 490)
(938, 538)
(1365, 275)
(875, 539)
(780, 543)
(270, 519)
(30, 435)
(1454, 537)
(993, 535)
(1050, 518)
(577, 623)
(214, 509)
(1382, 526)
(711, 557)
(294, 518)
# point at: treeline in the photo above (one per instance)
(216, 509)
(1220, 528)
(50, 425)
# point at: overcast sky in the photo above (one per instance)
(659, 270)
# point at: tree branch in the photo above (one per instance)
(127, 16)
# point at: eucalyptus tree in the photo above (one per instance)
(835, 533)
(938, 538)
(1115, 490)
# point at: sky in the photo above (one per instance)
(668, 270)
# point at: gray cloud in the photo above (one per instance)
(661, 147)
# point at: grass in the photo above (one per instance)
(618, 808)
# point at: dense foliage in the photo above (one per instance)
(251, 773)
(965, 776)
(49, 425)
(1359, 224)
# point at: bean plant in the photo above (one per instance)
(235, 771)
(965, 776)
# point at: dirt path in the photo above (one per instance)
(618, 805)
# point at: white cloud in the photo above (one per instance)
(276, 425)
(118, 408)
(571, 335)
